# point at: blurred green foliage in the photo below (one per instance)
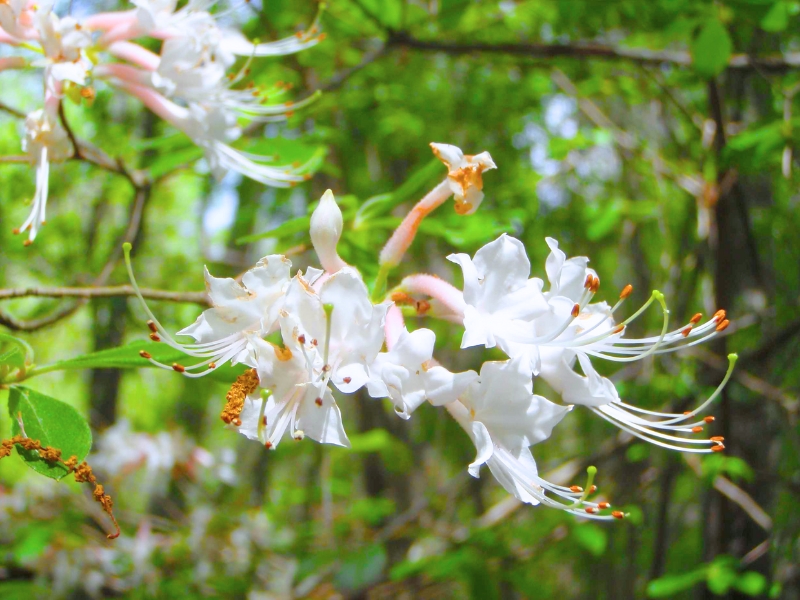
(658, 138)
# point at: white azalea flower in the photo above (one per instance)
(45, 142)
(240, 313)
(504, 410)
(465, 175)
(15, 17)
(500, 300)
(63, 41)
(561, 328)
(504, 418)
(330, 336)
(408, 375)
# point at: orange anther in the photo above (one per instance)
(318, 401)
(686, 331)
(576, 310)
(145, 354)
(719, 315)
(717, 448)
(724, 325)
(687, 412)
(15, 231)
(401, 298)
(618, 328)
(27, 243)
(591, 510)
(268, 445)
(709, 419)
(423, 306)
(576, 488)
(212, 365)
(301, 338)
(603, 505)
(617, 514)
(696, 319)
(717, 438)
(152, 326)
(593, 489)
(626, 291)
(588, 283)
(178, 368)
(154, 337)
(595, 285)
(697, 429)
(347, 379)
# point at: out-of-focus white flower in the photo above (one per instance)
(63, 41)
(45, 142)
(408, 375)
(15, 17)
(465, 175)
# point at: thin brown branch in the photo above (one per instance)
(12, 111)
(104, 292)
(779, 63)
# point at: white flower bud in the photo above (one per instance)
(326, 229)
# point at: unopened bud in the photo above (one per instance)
(326, 229)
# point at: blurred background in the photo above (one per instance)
(658, 138)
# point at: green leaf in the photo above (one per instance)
(712, 48)
(777, 19)
(751, 583)
(394, 453)
(53, 423)
(361, 568)
(287, 228)
(127, 357)
(669, 585)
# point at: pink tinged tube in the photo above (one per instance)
(430, 285)
(401, 239)
(393, 326)
(136, 54)
(109, 20)
(11, 62)
(167, 110)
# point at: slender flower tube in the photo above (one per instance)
(464, 181)
(12, 62)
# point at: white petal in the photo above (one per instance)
(484, 445)
(471, 277)
(355, 373)
(451, 156)
(443, 387)
(321, 423)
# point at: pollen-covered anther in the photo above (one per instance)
(15, 231)
(603, 505)
(593, 489)
(179, 368)
(595, 285)
(212, 365)
(686, 331)
(696, 318)
(717, 439)
(27, 242)
(402, 299)
(719, 315)
(718, 448)
(617, 514)
(326, 368)
(709, 419)
(591, 510)
(347, 379)
(626, 291)
(245, 384)
(618, 328)
(301, 338)
(423, 306)
(576, 489)
(697, 429)
(155, 337)
(723, 325)
(268, 445)
(152, 326)
(314, 342)
(318, 401)
(145, 354)
(576, 310)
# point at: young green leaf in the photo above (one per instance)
(53, 423)
(711, 49)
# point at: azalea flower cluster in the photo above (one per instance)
(198, 82)
(308, 335)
